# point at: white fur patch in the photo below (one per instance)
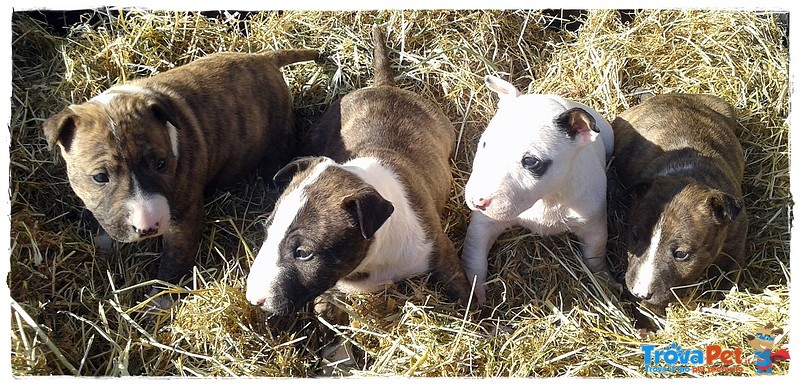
(265, 271)
(173, 138)
(400, 248)
(148, 211)
(106, 96)
(647, 270)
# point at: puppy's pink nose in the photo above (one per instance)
(149, 217)
(482, 203)
(258, 301)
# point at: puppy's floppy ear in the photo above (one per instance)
(60, 129)
(162, 110)
(285, 174)
(164, 113)
(369, 209)
(575, 121)
(639, 189)
(724, 208)
(503, 88)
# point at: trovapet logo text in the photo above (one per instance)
(674, 359)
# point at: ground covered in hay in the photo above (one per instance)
(75, 309)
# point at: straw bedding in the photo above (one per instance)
(76, 308)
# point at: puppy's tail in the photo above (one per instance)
(289, 56)
(383, 71)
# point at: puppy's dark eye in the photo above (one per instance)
(534, 165)
(680, 255)
(161, 165)
(101, 178)
(530, 161)
(483, 144)
(634, 238)
(302, 254)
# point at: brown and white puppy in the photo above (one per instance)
(679, 156)
(140, 155)
(365, 211)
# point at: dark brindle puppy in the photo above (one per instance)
(140, 155)
(366, 212)
(680, 157)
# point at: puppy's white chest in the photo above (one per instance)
(401, 248)
(548, 219)
(393, 256)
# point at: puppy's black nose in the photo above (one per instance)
(644, 296)
(145, 232)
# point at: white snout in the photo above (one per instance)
(482, 185)
(149, 215)
(645, 275)
(492, 193)
(263, 275)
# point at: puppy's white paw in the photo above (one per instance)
(157, 301)
(103, 241)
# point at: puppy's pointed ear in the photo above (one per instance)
(285, 174)
(576, 121)
(501, 87)
(60, 129)
(369, 209)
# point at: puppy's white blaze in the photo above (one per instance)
(148, 211)
(173, 138)
(265, 271)
(106, 96)
(647, 270)
(400, 247)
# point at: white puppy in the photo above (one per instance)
(541, 165)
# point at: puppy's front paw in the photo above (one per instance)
(478, 294)
(325, 308)
(157, 300)
(103, 241)
(615, 286)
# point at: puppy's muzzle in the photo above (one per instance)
(482, 203)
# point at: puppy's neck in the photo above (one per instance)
(401, 241)
(688, 163)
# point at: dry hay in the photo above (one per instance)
(76, 310)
